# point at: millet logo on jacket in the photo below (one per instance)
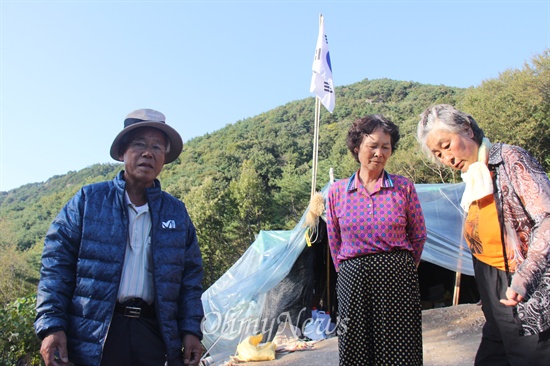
(170, 224)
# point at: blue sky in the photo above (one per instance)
(70, 71)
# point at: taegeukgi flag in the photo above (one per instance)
(321, 80)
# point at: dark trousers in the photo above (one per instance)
(133, 342)
(501, 342)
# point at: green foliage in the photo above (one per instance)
(18, 343)
(18, 269)
(515, 108)
(248, 193)
(291, 196)
(255, 174)
(206, 206)
(31, 208)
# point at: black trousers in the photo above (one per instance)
(133, 342)
(501, 342)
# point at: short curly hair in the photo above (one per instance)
(365, 126)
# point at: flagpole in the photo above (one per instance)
(315, 146)
(323, 87)
(316, 135)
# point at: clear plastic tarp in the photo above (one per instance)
(233, 305)
(444, 217)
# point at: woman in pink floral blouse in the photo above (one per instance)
(507, 200)
(376, 235)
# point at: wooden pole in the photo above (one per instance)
(315, 146)
(456, 294)
(328, 279)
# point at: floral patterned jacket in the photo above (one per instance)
(522, 196)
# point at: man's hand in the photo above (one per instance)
(192, 350)
(513, 298)
(54, 349)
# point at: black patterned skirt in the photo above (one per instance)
(380, 317)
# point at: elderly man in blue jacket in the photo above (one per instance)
(121, 267)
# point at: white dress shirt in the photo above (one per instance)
(137, 274)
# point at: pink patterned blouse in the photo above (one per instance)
(359, 223)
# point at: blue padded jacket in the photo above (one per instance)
(82, 265)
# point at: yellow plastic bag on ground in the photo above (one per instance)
(249, 349)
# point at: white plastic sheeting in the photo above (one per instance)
(233, 305)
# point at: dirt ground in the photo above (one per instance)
(451, 336)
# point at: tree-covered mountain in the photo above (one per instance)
(256, 173)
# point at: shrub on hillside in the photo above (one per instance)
(18, 342)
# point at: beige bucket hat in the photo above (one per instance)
(149, 118)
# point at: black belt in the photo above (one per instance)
(136, 308)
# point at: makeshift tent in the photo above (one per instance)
(235, 303)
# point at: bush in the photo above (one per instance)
(19, 345)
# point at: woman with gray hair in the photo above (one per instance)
(507, 227)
